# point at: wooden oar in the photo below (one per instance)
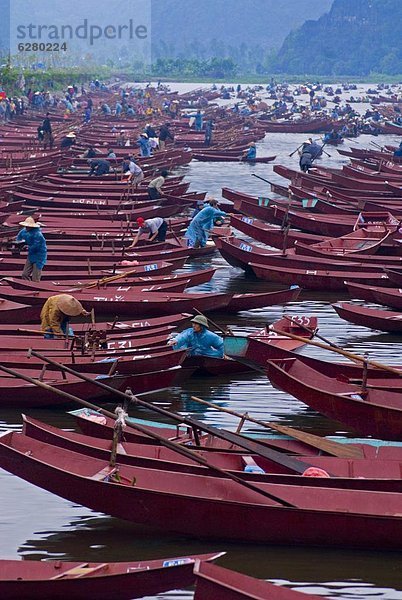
(103, 281)
(163, 441)
(329, 446)
(262, 179)
(249, 445)
(351, 355)
(294, 151)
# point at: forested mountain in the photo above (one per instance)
(357, 37)
(247, 31)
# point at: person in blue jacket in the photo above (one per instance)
(32, 236)
(143, 143)
(198, 340)
(251, 152)
(201, 224)
(198, 121)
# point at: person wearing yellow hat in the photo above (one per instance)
(68, 141)
(199, 340)
(32, 236)
(56, 312)
(251, 152)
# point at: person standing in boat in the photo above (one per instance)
(32, 236)
(47, 132)
(56, 312)
(155, 228)
(198, 122)
(202, 224)
(209, 126)
(143, 143)
(164, 135)
(199, 340)
(155, 186)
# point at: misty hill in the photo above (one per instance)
(356, 37)
(232, 28)
(246, 31)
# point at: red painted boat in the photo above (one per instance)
(241, 253)
(366, 474)
(58, 580)
(191, 278)
(224, 584)
(362, 241)
(110, 327)
(178, 502)
(375, 318)
(374, 412)
(15, 393)
(128, 363)
(360, 291)
(271, 235)
(262, 299)
(314, 279)
(209, 157)
(145, 304)
(391, 297)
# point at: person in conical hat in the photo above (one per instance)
(199, 340)
(56, 313)
(33, 238)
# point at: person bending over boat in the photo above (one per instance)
(199, 340)
(32, 236)
(99, 166)
(132, 173)
(201, 224)
(156, 229)
(155, 186)
(56, 312)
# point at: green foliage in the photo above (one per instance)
(215, 68)
(355, 38)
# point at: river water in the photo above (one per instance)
(35, 524)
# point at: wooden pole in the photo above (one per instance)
(329, 446)
(351, 355)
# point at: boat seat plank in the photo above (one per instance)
(81, 571)
(104, 473)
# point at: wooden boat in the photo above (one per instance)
(373, 474)
(58, 580)
(209, 157)
(192, 278)
(110, 327)
(263, 345)
(271, 235)
(145, 304)
(314, 279)
(391, 297)
(262, 299)
(217, 582)
(375, 318)
(360, 291)
(178, 502)
(15, 393)
(240, 253)
(374, 412)
(362, 241)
